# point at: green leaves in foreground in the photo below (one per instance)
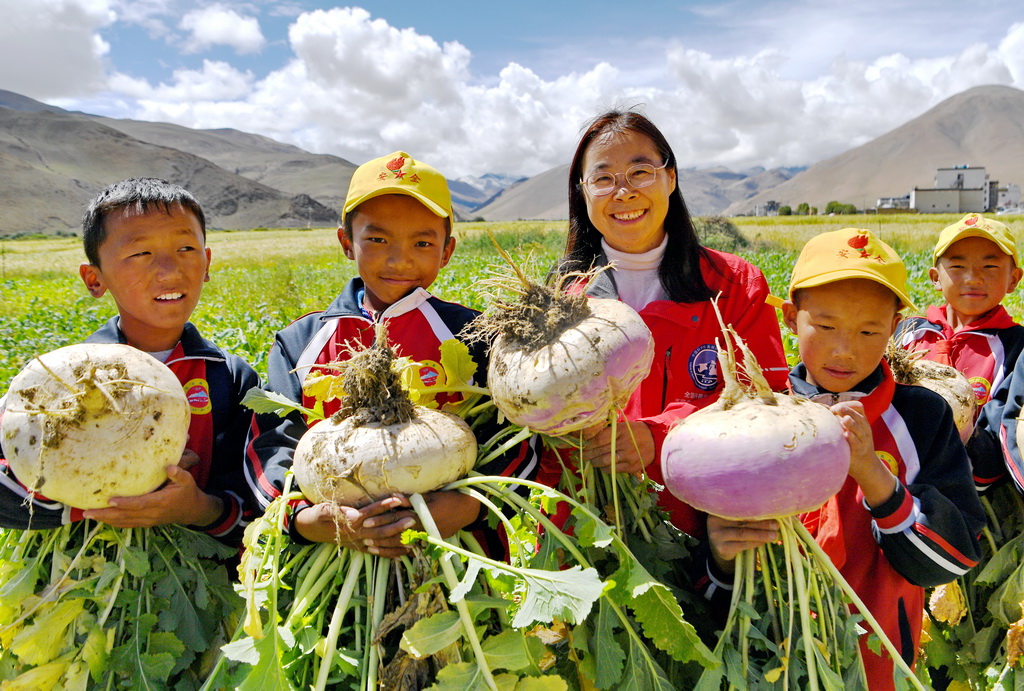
(124, 608)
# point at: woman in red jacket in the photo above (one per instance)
(625, 208)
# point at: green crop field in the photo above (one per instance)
(261, 280)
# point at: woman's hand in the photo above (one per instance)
(630, 457)
(729, 538)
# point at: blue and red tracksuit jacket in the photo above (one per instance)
(214, 382)
(417, 325)
(684, 374)
(986, 352)
(924, 535)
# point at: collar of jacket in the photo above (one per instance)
(192, 342)
(875, 391)
(347, 304)
(996, 318)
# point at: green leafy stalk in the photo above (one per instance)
(469, 630)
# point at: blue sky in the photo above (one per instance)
(478, 87)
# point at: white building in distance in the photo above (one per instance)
(958, 190)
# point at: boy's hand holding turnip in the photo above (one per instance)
(178, 501)
(875, 479)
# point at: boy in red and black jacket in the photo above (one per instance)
(908, 516)
(145, 240)
(975, 267)
(396, 226)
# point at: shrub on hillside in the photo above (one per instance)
(720, 234)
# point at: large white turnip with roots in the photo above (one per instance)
(379, 442)
(562, 362)
(92, 421)
(913, 369)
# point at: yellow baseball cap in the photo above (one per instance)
(399, 173)
(850, 253)
(976, 226)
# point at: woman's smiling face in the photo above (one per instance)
(630, 219)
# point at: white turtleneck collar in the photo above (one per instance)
(636, 275)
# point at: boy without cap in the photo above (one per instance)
(397, 227)
(908, 515)
(975, 267)
(145, 240)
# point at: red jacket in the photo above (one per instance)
(922, 536)
(684, 374)
(986, 351)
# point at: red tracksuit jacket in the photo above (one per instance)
(924, 535)
(986, 351)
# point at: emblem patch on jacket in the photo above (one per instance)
(703, 366)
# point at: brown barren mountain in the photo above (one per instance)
(264, 160)
(983, 126)
(53, 163)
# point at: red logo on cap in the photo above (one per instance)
(396, 163)
(858, 242)
(970, 221)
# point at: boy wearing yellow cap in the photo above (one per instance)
(397, 227)
(975, 267)
(908, 514)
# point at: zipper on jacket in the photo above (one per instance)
(665, 377)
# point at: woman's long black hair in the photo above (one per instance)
(679, 272)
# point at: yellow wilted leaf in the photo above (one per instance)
(958, 686)
(1015, 642)
(37, 644)
(458, 364)
(323, 387)
(409, 378)
(772, 675)
(41, 678)
(947, 603)
(550, 636)
(823, 648)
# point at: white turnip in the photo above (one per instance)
(90, 421)
(755, 454)
(352, 463)
(914, 370)
(572, 382)
(560, 362)
(379, 443)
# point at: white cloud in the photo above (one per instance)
(217, 81)
(50, 48)
(218, 25)
(358, 87)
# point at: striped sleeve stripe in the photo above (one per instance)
(983, 483)
(1008, 458)
(715, 584)
(941, 558)
(232, 518)
(262, 489)
(902, 518)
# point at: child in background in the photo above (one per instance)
(975, 267)
(145, 240)
(908, 516)
(397, 227)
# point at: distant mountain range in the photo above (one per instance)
(52, 161)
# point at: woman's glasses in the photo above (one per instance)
(640, 175)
